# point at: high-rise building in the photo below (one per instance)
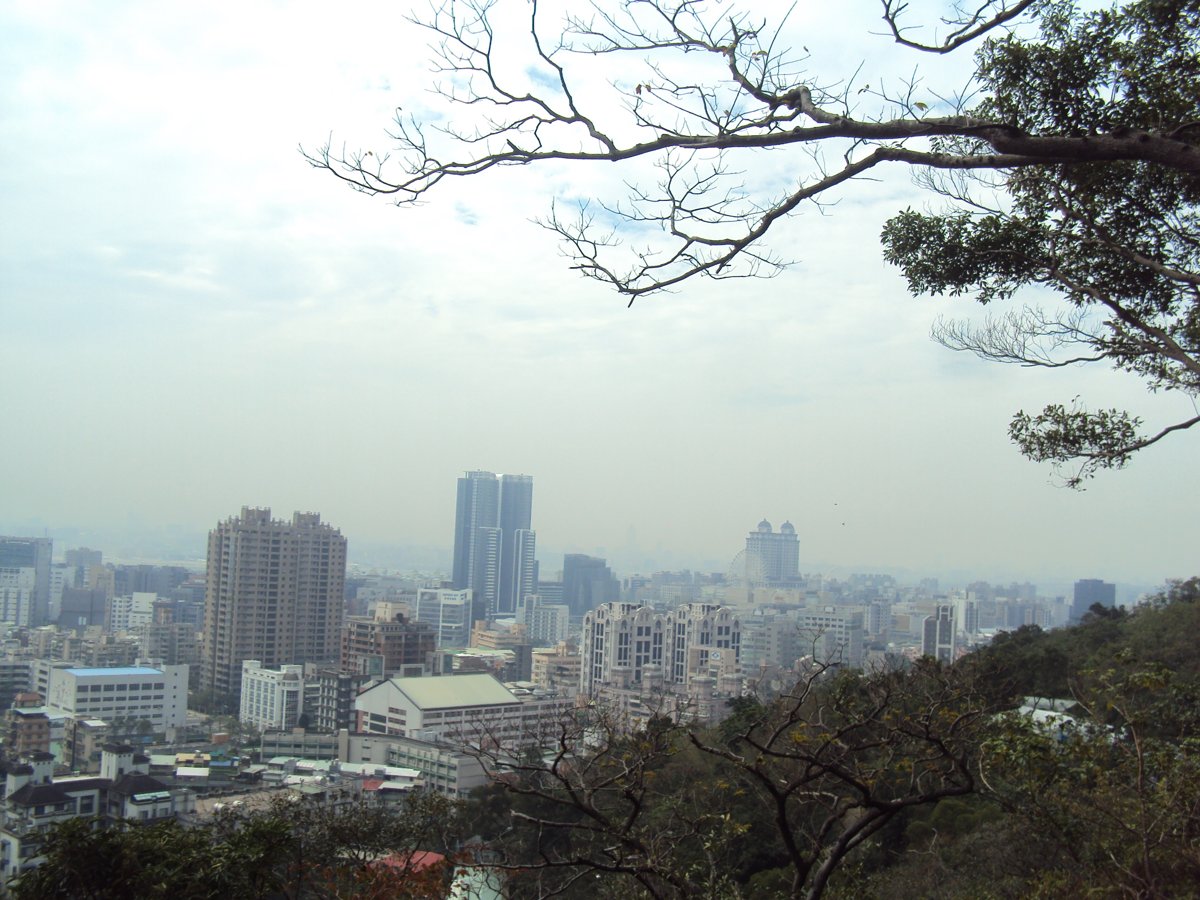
(518, 570)
(478, 507)
(34, 556)
(587, 583)
(18, 595)
(450, 614)
(938, 638)
(774, 556)
(494, 544)
(1088, 592)
(274, 594)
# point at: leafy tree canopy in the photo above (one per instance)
(1071, 162)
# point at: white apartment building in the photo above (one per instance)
(271, 698)
(156, 694)
(461, 710)
(546, 623)
(132, 612)
(832, 636)
(18, 593)
(34, 801)
(694, 639)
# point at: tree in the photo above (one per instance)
(296, 848)
(1114, 803)
(802, 787)
(1070, 162)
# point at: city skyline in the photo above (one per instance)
(243, 294)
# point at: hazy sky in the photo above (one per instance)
(193, 320)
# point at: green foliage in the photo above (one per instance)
(292, 850)
(1118, 240)
(784, 793)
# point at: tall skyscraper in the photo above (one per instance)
(494, 543)
(274, 593)
(517, 542)
(938, 638)
(25, 577)
(1088, 592)
(587, 583)
(478, 507)
(775, 555)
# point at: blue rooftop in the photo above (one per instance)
(116, 670)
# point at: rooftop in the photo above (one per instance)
(123, 671)
(443, 691)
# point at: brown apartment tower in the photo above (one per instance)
(274, 593)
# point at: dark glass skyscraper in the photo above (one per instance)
(494, 543)
(1088, 592)
(587, 582)
(478, 507)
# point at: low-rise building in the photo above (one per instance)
(443, 767)
(301, 743)
(34, 800)
(154, 695)
(27, 730)
(465, 710)
(557, 668)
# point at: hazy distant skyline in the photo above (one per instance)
(192, 320)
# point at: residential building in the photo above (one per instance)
(383, 647)
(18, 595)
(27, 730)
(774, 556)
(34, 801)
(174, 643)
(636, 649)
(33, 554)
(83, 743)
(271, 698)
(329, 696)
(514, 639)
(831, 635)
(557, 669)
(274, 594)
(131, 612)
(547, 623)
(14, 677)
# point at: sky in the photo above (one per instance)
(194, 320)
